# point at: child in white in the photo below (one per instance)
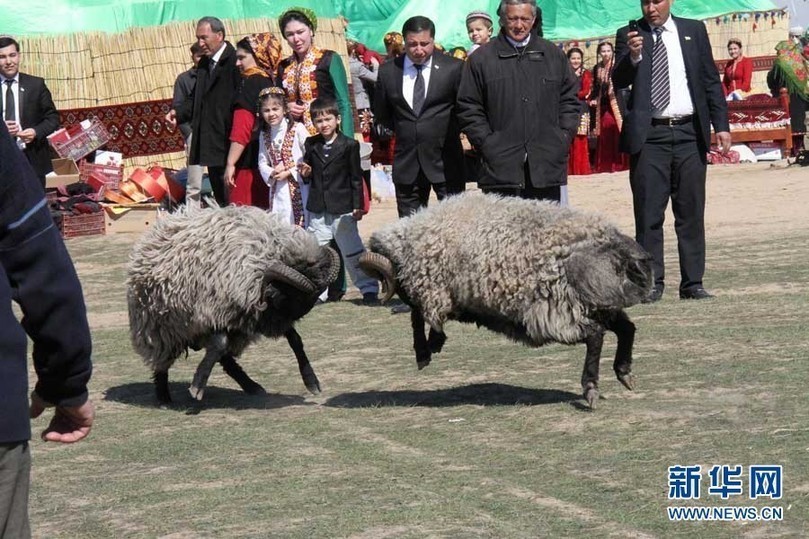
(281, 144)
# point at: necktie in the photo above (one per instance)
(661, 92)
(418, 90)
(212, 65)
(9, 112)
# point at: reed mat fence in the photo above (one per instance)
(140, 64)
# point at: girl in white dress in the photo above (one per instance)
(281, 143)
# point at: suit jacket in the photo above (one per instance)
(37, 111)
(430, 142)
(210, 109)
(704, 85)
(335, 185)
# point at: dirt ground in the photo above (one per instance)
(746, 200)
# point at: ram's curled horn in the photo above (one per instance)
(334, 267)
(290, 276)
(380, 267)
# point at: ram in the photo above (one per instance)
(219, 279)
(531, 270)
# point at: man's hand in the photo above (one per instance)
(296, 110)
(357, 215)
(69, 424)
(723, 140)
(13, 128)
(304, 169)
(27, 135)
(171, 117)
(635, 44)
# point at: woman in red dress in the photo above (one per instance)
(608, 115)
(579, 162)
(738, 72)
(257, 55)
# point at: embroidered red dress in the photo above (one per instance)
(608, 122)
(738, 75)
(250, 189)
(579, 162)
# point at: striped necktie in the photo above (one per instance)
(661, 92)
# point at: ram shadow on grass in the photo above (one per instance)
(491, 394)
(141, 394)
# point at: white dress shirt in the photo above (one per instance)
(217, 55)
(409, 72)
(680, 103)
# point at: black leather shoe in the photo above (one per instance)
(655, 295)
(695, 293)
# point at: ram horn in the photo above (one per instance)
(283, 273)
(334, 266)
(379, 267)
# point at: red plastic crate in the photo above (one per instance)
(83, 142)
(110, 175)
(86, 224)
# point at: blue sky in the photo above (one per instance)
(798, 11)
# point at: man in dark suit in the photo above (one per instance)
(676, 96)
(415, 97)
(518, 106)
(210, 109)
(28, 108)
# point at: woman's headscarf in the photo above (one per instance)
(793, 67)
(266, 50)
(366, 55)
(394, 43)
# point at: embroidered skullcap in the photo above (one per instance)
(307, 14)
(478, 14)
(273, 90)
(796, 31)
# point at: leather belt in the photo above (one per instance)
(672, 121)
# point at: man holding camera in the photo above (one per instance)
(676, 96)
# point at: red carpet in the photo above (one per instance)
(137, 129)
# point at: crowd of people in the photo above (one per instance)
(512, 112)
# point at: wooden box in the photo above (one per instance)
(131, 218)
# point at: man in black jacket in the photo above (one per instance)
(676, 96)
(184, 89)
(210, 110)
(517, 105)
(28, 108)
(415, 98)
(36, 272)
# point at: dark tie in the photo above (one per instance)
(418, 90)
(9, 114)
(661, 92)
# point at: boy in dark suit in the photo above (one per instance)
(331, 167)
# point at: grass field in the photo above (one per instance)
(491, 440)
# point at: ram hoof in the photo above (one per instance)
(196, 392)
(591, 396)
(627, 380)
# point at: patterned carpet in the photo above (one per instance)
(137, 129)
